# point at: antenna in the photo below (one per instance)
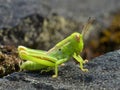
(87, 25)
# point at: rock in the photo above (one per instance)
(11, 11)
(9, 60)
(36, 31)
(104, 73)
(21, 21)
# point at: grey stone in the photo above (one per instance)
(104, 74)
(11, 11)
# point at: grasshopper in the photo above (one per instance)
(60, 53)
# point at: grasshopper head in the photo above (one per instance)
(79, 37)
(77, 42)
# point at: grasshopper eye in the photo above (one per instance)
(59, 49)
(77, 37)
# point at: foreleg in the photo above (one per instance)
(81, 61)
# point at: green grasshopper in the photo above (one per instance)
(60, 53)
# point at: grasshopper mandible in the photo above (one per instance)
(60, 53)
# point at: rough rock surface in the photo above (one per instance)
(104, 71)
(9, 60)
(104, 74)
(11, 11)
(21, 21)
